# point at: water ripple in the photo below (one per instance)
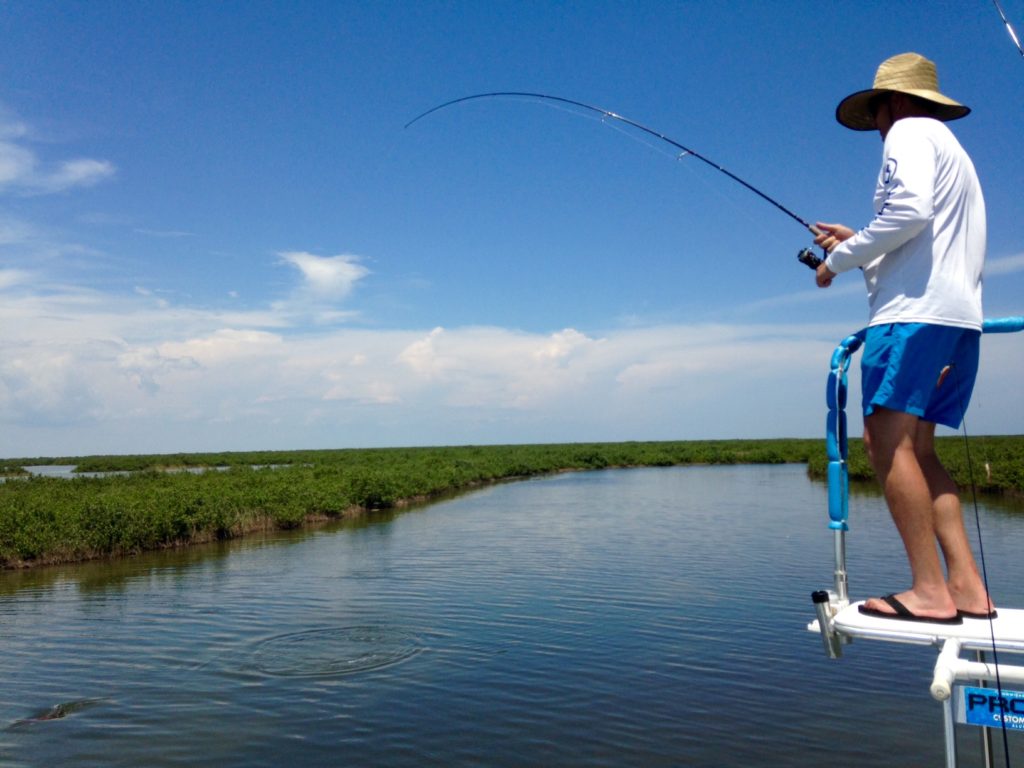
(334, 651)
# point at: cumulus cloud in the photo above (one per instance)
(560, 346)
(93, 372)
(329, 278)
(125, 373)
(42, 387)
(424, 357)
(223, 346)
(326, 282)
(497, 368)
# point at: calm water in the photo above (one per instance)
(618, 618)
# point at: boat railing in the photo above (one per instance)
(840, 622)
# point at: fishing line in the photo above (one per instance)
(1009, 26)
(806, 256)
(981, 554)
(677, 155)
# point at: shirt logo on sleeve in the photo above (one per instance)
(889, 171)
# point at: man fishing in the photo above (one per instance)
(922, 258)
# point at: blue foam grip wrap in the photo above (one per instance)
(837, 498)
(844, 480)
(844, 448)
(835, 432)
(838, 356)
(832, 437)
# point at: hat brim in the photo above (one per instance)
(855, 110)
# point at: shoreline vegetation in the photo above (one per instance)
(152, 503)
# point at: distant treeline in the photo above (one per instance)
(53, 520)
(989, 464)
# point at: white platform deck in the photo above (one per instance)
(1008, 629)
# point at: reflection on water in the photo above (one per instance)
(51, 470)
(618, 618)
(69, 471)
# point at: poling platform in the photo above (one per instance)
(1003, 634)
(840, 622)
(1007, 629)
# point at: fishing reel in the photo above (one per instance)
(808, 257)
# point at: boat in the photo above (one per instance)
(973, 689)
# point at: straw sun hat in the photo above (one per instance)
(906, 73)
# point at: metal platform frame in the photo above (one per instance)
(839, 621)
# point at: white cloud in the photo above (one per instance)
(497, 368)
(1004, 266)
(83, 172)
(12, 277)
(561, 345)
(168, 234)
(423, 357)
(10, 126)
(329, 278)
(326, 282)
(16, 164)
(223, 346)
(124, 373)
(84, 372)
(22, 171)
(43, 386)
(854, 286)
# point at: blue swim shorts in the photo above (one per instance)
(927, 370)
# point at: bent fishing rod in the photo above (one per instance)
(805, 256)
(1009, 27)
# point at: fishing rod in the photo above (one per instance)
(987, 746)
(805, 256)
(1009, 26)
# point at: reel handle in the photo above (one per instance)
(807, 256)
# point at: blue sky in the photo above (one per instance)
(215, 233)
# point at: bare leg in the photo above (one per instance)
(965, 583)
(892, 439)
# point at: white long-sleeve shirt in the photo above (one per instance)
(924, 251)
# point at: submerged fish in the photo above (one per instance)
(58, 711)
